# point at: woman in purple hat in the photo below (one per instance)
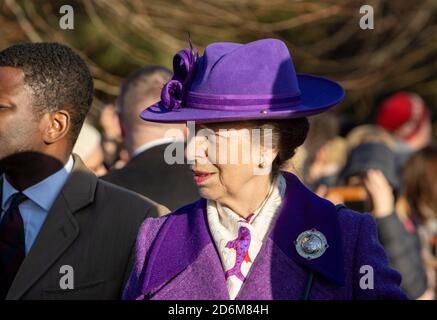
(256, 232)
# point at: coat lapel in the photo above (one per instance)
(303, 210)
(58, 231)
(273, 276)
(186, 240)
(279, 267)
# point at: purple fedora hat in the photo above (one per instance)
(232, 82)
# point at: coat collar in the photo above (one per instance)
(186, 233)
(303, 210)
(181, 239)
(59, 230)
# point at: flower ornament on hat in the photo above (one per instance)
(174, 92)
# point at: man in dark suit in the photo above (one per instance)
(148, 172)
(64, 234)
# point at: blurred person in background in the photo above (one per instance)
(147, 171)
(370, 133)
(325, 152)
(372, 167)
(406, 116)
(419, 178)
(365, 133)
(341, 147)
(88, 147)
(115, 156)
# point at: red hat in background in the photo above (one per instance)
(402, 114)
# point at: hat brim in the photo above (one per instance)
(318, 94)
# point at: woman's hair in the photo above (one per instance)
(419, 177)
(288, 135)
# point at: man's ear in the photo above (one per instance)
(57, 125)
(121, 123)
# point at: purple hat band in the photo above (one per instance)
(233, 102)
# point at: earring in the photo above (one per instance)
(262, 164)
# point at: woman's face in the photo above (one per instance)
(226, 159)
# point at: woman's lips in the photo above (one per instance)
(200, 177)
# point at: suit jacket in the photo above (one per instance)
(91, 227)
(176, 257)
(148, 174)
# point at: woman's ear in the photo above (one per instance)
(269, 155)
(265, 162)
(57, 125)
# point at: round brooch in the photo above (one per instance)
(311, 244)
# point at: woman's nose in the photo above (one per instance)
(196, 150)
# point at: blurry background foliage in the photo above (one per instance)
(116, 37)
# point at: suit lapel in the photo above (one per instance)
(59, 230)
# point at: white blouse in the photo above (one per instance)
(239, 240)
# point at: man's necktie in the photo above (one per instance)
(12, 244)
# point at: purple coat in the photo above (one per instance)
(176, 257)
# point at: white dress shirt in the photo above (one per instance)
(225, 224)
(41, 196)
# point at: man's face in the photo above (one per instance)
(19, 125)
